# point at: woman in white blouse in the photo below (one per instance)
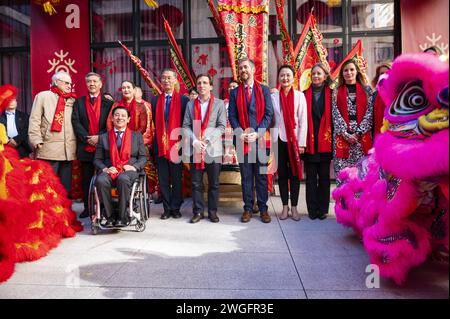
(291, 128)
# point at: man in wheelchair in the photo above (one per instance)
(119, 158)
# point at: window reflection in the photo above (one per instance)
(112, 20)
(377, 50)
(14, 23)
(372, 15)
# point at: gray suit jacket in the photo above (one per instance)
(138, 155)
(214, 131)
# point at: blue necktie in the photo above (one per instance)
(167, 109)
(119, 140)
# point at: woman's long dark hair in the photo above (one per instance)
(359, 77)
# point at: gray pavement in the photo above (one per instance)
(175, 259)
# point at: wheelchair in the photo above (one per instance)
(138, 208)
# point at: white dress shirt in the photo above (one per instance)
(11, 124)
(204, 108)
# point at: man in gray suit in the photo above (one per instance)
(204, 123)
(119, 157)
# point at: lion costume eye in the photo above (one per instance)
(411, 100)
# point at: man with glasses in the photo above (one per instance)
(50, 129)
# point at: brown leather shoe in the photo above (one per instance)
(265, 217)
(246, 216)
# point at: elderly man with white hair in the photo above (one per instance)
(50, 130)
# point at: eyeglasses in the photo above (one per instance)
(66, 83)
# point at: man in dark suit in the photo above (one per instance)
(168, 113)
(119, 157)
(16, 124)
(204, 123)
(89, 121)
(250, 112)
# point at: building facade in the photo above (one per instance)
(376, 23)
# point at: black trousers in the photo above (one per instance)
(87, 171)
(317, 187)
(213, 172)
(170, 182)
(251, 175)
(64, 170)
(124, 184)
(285, 176)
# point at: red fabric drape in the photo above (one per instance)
(378, 114)
(119, 158)
(93, 112)
(199, 130)
(288, 110)
(325, 138)
(342, 146)
(58, 119)
(165, 144)
(242, 107)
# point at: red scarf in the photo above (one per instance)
(58, 119)
(378, 114)
(325, 138)
(119, 160)
(165, 144)
(93, 113)
(131, 107)
(200, 131)
(342, 146)
(288, 110)
(243, 106)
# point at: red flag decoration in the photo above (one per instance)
(218, 25)
(356, 54)
(146, 76)
(309, 51)
(288, 48)
(59, 43)
(177, 58)
(246, 28)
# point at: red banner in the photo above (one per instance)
(246, 30)
(178, 62)
(309, 51)
(60, 42)
(356, 54)
(288, 49)
(143, 72)
(216, 18)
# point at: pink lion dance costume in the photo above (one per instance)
(397, 198)
(35, 213)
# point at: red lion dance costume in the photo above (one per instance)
(34, 210)
(397, 198)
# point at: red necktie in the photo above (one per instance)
(249, 93)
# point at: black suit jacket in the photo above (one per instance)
(21, 119)
(80, 123)
(138, 155)
(154, 101)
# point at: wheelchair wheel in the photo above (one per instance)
(145, 204)
(94, 228)
(91, 198)
(140, 226)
